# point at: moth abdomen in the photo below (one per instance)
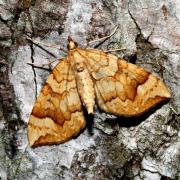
(85, 88)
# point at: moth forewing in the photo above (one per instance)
(122, 88)
(57, 115)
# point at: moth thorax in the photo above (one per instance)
(79, 66)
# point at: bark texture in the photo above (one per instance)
(110, 148)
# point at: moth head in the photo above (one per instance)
(71, 44)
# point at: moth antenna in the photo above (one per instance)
(62, 49)
(114, 50)
(106, 37)
(41, 44)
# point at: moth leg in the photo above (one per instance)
(43, 65)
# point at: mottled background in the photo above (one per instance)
(137, 148)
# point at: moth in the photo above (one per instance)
(86, 77)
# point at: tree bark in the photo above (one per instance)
(110, 148)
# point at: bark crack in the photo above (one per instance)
(33, 69)
(135, 22)
(138, 27)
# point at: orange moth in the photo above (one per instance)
(83, 78)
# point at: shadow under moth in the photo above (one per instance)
(83, 78)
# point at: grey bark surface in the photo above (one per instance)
(147, 147)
